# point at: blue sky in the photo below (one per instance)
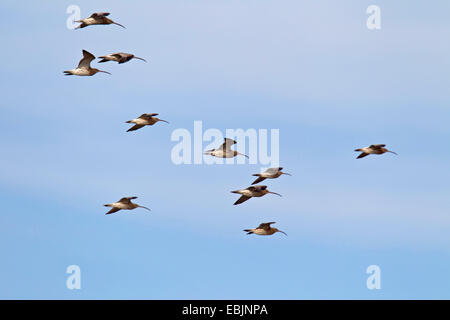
(308, 68)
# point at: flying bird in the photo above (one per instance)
(123, 204)
(146, 119)
(252, 191)
(96, 18)
(84, 66)
(224, 151)
(373, 149)
(270, 173)
(119, 57)
(264, 229)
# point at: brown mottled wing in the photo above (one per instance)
(135, 127)
(227, 143)
(147, 115)
(377, 146)
(257, 188)
(259, 180)
(127, 200)
(117, 55)
(265, 225)
(86, 61)
(241, 199)
(362, 155)
(99, 14)
(113, 210)
(124, 57)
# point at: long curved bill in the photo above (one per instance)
(104, 71)
(243, 155)
(392, 152)
(164, 121)
(119, 25)
(275, 193)
(282, 232)
(145, 208)
(288, 174)
(140, 59)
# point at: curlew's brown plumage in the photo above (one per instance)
(224, 151)
(373, 149)
(124, 204)
(119, 57)
(270, 173)
(84, 66)
(146, 119)
(264, 229)
(252, 191)
(96, 18)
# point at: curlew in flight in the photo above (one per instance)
(224, 151)
(252, 191)
(123, 204)
(373, 149)
(119, 57)
(264, 229)
(84, 66)
(146, 119)
(270, 173)
(96, 18)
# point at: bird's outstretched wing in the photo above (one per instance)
(257, 188)
(265, 225)
(126, 200)
(273, 170)
(113, 210)
(241, 199)
(124, 56)
(86, 61)
(148, 115)
(377, 146)
(227, 144)
(99, 14)
(135, 127)
(362, 155)
(259, 180)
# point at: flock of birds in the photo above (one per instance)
(224, 151)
